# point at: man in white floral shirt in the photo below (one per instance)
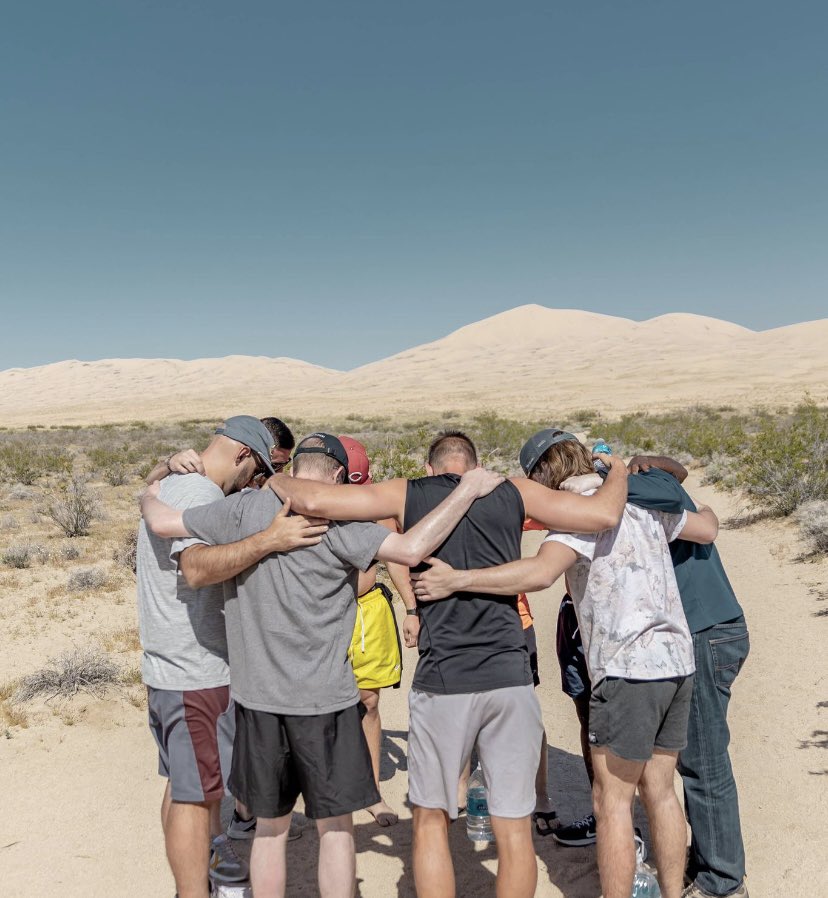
(639, 654)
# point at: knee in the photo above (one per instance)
(430, 822)
(370, 699)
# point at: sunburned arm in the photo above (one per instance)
(702, 526)
(526, 575)
(571, 513)
(422, 539)
(343, 502)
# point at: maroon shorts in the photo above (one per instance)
(194, 732)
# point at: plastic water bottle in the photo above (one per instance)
(603, 447)
(478, 821)
(645, 885)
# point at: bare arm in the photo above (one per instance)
(187, 461)
(162, 519)
(702, 526)
(423, 538)
(526, 575)
(663, 462)
(572, 513)
(343, 502)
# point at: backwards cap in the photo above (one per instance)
(536, 445)
(331, 446)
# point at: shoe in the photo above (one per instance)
(225, 864)
(239, 828)
(582, 832)
(640, 847)
(694, 891)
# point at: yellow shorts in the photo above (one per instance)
(375, 651)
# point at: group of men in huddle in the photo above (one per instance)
(248, 609)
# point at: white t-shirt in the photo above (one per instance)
(625, 594)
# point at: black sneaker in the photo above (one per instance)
(581, 832)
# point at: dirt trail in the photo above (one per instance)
(81, 802)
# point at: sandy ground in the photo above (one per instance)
(81, 796)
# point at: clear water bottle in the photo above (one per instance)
(603, 447)
(478, 821)
(645, 885)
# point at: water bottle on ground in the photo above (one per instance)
(478, 821)
(645, 885)
(603, 447)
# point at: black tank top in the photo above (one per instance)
(471, 642)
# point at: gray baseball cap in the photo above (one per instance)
(536, 445)
(250, 432)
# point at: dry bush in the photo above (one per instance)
(125, 552)
(812, 518)
(73, 506)
(81, 670)
(9, 522)
(69, 552)
(132, 676)
(19, 556)
(86, 579)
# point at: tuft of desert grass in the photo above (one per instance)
(125, 639)
(80, 670)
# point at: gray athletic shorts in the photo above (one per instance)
(194, 733)
(633, 717)
(443, 729)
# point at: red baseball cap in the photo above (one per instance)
(358, 464)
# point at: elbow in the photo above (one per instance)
(194, 578)
(410, 557)
(609, 519)
(711, 534)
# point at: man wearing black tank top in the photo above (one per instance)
(473, 682)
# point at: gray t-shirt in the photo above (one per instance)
(182, 629)
(291, 616)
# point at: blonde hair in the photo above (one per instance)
(563, 460)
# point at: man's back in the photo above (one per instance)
(628, 604)
(291, 616)
(471, 644)
(182, 629)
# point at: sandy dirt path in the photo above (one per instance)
(80, 803)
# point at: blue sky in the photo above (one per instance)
(338, 181)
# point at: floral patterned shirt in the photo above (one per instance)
(628, 605)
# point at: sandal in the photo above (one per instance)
(546, 822)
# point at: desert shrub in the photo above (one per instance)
(125, 552)
(85, 579)
(395, 460)
(114, 465)
(132, 676)
(812, 518)
(9, 522)
(22, 493)
(498, 439)
(69, 552)
(23, 461)
(80, 670)
(785, 464)
(73, 506)
(17, 556)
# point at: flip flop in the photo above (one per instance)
(544, 821)
(385, 818)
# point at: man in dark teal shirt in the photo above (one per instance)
(716, 866)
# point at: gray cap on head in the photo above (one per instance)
(250, 432)
(536, 445)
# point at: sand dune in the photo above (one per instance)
(529, 360)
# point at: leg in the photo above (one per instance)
(612, 795)
(517, 867)
(337, 857)
(187, 839)
(268, 864)
(372, 727)
(667, 826)
(433, 870)
(717, 854)
(582, 710)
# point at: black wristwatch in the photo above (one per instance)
(412, 610)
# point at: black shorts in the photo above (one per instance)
(532, 646)
(575, 680)
(633, 717)
(323, 757)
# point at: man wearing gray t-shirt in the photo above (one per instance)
(289, 622)
(184, 666)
